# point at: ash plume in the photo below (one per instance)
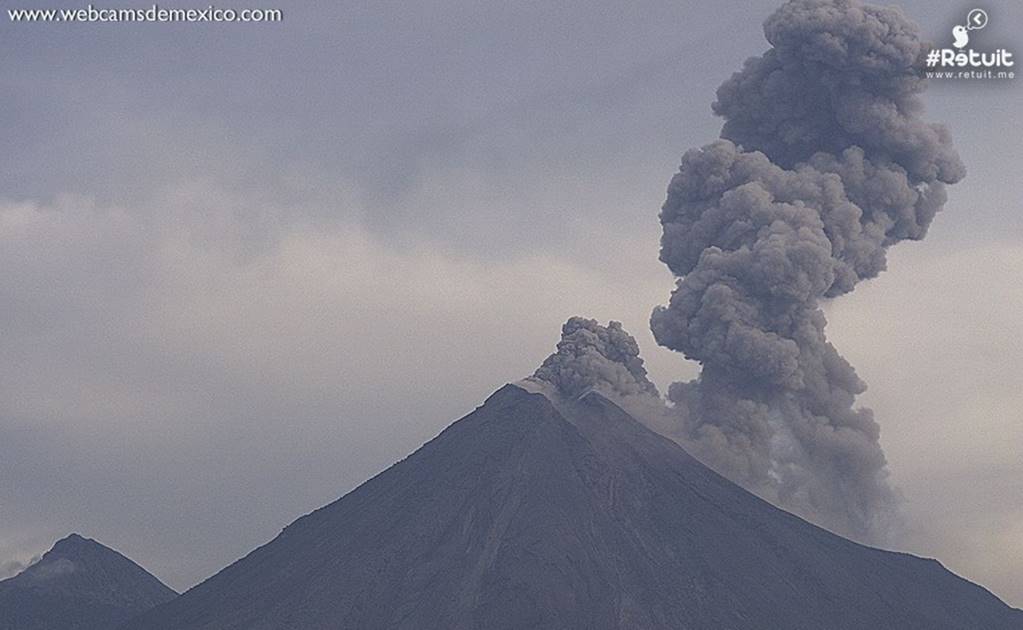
(591, 356)
(824, 163)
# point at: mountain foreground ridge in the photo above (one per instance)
(539, 511)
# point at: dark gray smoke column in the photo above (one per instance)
(825, 163)
(591, 356)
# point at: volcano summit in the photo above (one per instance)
(546, 510)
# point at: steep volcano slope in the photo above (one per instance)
(527, 514)
(78, 585)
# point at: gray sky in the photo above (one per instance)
(245, 267)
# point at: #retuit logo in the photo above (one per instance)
(963, 61)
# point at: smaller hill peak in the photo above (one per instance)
(78, 584)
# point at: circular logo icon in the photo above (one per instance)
(976, 19)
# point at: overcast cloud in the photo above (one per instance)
(243, 268)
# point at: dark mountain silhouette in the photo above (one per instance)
(531, 514)
(78, 585)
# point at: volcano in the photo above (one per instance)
(78, 585)
(539, 511)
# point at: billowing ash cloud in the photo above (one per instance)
(824, 164)
(594, 357)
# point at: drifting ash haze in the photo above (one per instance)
(825, 162)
